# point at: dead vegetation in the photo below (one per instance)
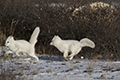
(19, 18)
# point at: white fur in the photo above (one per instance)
(27, 48)
(34, 36)
(72, 46)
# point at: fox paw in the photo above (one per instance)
(67, 59)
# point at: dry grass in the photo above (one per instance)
(19, 18)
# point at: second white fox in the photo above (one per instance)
(72, 46)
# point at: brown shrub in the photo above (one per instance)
(19, 18)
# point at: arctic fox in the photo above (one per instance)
(72, 46)
(23, 46)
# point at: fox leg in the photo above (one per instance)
(71, 56)
(17, 53)
(7, 53)
(65, 54)
(34, 56)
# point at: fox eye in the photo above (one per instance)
(8, 42)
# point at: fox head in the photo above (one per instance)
(54, 40)
(9, 41)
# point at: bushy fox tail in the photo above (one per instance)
(33, 38)
(85, 42)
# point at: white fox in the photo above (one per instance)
(23, 46)
(72, 46)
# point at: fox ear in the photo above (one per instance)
(55, 36)
(58, 37)
(11, 37)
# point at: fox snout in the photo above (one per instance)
(6, 44)
(51, 43)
